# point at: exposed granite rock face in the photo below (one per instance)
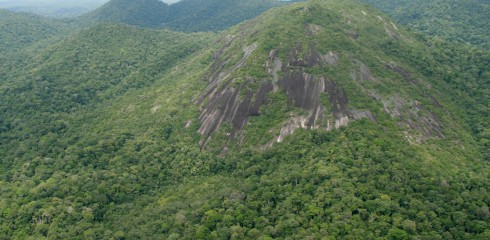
(273, 66)
(358, 114)
(312, 29)
(353, 34)
(289, 127)
(218, 74)
(299, 70)
(404, 73)
(331, 58)
(391, 32)
(338, 100)
(363, 73)
(421, 123)
(226, 102)
(416, 117)
(305, 91)
(313, 57)
(226, 105)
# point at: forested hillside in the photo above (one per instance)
(22, 36)
(454, 20)
(144, 13)
(214, 15)
(85, 70)
(316, 120)
(185, 15)
(19, 30)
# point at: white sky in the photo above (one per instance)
(62, 3)
(49, 7)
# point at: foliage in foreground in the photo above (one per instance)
(99, 141)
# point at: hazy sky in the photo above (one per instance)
(59, 2)
(49, 7)
(171, 1)
(52, 7)
(51, 3)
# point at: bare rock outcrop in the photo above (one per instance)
(222, 102)
(363, 73)
(225, 101)
(305, 91)
(227, 105)
(415, 117)
(331, 58)
(407, 76)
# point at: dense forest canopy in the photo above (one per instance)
(323, 119)
(19, 30)
(147, 13)
(454, 20)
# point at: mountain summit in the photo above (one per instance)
(316, 120)
(330, 64)
(145, 13)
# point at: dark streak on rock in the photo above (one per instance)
(226, 106)
(404, 73)
(363, 74)
(429, 124)
(315, 58)
(415, 116)
(357, 115)
(338, 99)
(435, 102)
(304, 91)
(353, 34)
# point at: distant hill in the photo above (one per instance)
(459, 21)
(25, 34)
(144, 13)
(212, 15)
(185, 15)
(18, 30)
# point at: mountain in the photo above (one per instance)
(147, 13)
(87, 68)
(459, 21)
(185, 15)
(18, 30)
(215, 15)
(322, 119)
(24, 35)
